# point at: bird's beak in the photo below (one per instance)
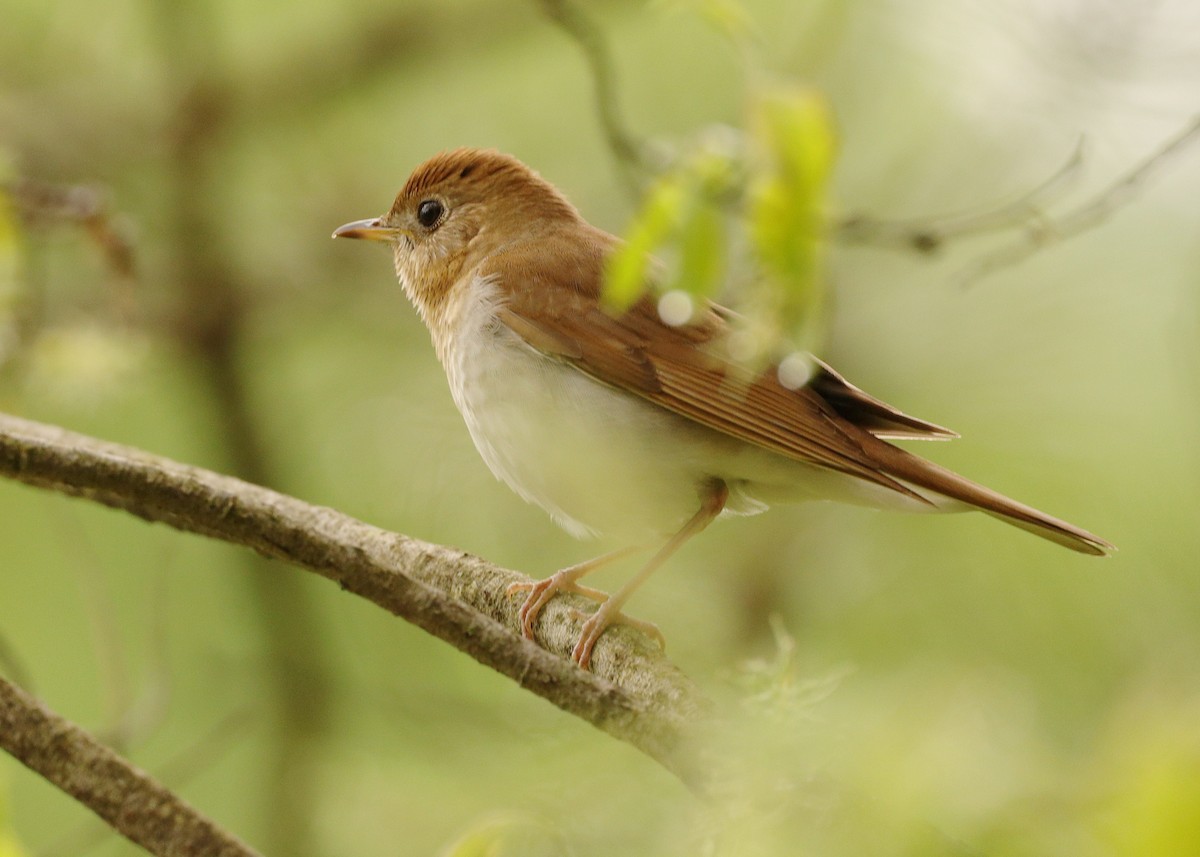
(369, 230)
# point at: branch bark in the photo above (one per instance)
(134, 803)
(634, 693)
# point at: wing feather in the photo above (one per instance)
(828, 423)
(677, 368)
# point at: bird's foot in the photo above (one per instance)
(541, 591)
(596, 624)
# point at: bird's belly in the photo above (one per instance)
(597, 459)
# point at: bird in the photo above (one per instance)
(620, 422)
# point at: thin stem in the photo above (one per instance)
(626, 148)
(131, 801)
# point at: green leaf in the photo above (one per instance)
(626, 271)
(786, 199)
(701, 245)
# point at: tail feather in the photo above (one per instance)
(921, 473)
(1059, 532)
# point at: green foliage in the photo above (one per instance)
(655, 222)
(743, 215)
(794, 151)
(952, 684)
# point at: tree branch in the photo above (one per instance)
(629, 152)
(1034, 226)
(133, 802)
(1043, 232)
(634, 694)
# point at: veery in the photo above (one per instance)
(622, 423)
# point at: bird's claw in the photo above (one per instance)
(597, 623)
(540, 593)
(648, 628)
(594, 625)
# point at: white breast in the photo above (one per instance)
(595, 458)
(601, 460)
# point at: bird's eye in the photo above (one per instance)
(429, 213)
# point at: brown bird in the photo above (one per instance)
(623, 423)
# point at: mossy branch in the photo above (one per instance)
(634, 694)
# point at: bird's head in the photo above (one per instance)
(455, 210)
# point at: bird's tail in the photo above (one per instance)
(923, 474)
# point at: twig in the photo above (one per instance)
(929, 235)
(635, 694)
(134, 803)
(146, 711)
(180, 769)
(1036, 229)
(1039, 234)
(626, 148)
(107, 646)
(43, 204)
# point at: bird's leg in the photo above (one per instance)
(712, 501)
(541, 591)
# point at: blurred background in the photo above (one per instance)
(909, 685)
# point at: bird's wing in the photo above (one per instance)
(551, 302)
(555, 310)
(867, 412)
